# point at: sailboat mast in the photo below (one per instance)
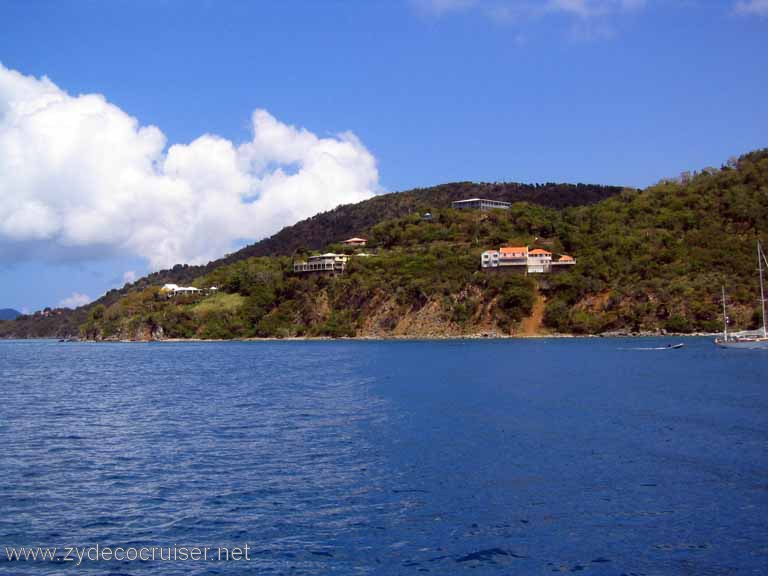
(725, 319)
(760, 257)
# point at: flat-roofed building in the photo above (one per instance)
(480, 204)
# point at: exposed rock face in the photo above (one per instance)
(382, 315)
(385, 317)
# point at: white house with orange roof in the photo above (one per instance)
(539, 261)
(523, 260)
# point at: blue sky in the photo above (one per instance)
(602, 91)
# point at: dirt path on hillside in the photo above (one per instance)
(533, 324)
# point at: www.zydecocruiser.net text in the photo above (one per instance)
(80, 554)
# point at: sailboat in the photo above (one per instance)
(748, 340)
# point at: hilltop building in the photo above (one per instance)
(521, 260)
(333, 263)
(354, 242)
(480, 204)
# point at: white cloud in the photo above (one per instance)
(129, 276)
(582, 11)
(439, 7)
(590, 8)
(80, 178)
(75, 300)
(752, 7)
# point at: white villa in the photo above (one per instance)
(524, 261)
(480, 204)
(174, 290)
(334, 263)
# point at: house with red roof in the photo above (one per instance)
(354, 242)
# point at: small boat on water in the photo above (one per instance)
(747, 340)
(667, 347)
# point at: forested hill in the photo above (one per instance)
(316, 232)
(647, 260)
(350, 220)
(658, 258)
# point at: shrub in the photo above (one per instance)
(677, 323)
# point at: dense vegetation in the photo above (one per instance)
(320, 230)
(658, 258)
(351, 219)
(647, 260)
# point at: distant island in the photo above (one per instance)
(466, 259)
(9, 314)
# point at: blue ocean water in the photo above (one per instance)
(343, 457)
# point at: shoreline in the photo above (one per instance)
(403, 338)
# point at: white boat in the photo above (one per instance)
(747, 340)
(667, 347)
(744, 343)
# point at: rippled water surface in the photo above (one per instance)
(492, 457)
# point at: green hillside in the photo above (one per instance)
(647, 260)
(420, 267)
(316, 232)
(658, 258)
(352, 219)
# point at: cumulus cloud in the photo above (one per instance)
(81, 178)
(752, 7)
(75, 300)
